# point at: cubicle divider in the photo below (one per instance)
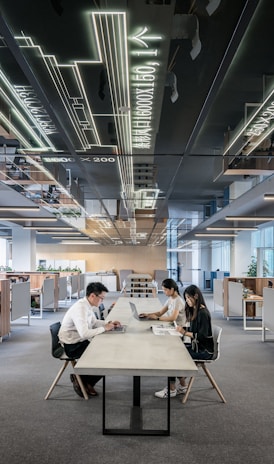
(268, 313)
(82, 289)
(48, 294)
(45, 295)
(62, 289)
(218, 294)
(235, 299)
(74, 282)
(20, 300)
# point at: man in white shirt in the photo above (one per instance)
(79, 326)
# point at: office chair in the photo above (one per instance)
(58, 352)
(203, 364)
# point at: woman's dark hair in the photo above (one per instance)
(194, 292)
(96, 287)
(169, 284)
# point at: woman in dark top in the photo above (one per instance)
(199, 333)
(200, 330)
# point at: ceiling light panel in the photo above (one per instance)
(19, 208)
(30, 219)
(215, 235)
(68, 237)
(249, 218)
(47, 228)
(232, 228)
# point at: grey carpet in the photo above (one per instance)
(66, 429)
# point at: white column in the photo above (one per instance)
(260, 262)
(3, 253)
(242, 254)
(23, 249)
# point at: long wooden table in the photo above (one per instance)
(136, 353)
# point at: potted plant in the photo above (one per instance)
(252, 268)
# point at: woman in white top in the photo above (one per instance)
(174, 308)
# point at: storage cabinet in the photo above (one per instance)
(140, 285)
(109, 280)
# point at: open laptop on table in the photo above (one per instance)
(136, 314)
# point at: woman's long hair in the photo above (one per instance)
(194, 292)
(169, 284)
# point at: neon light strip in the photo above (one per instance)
(24, 109)
(53, 68)
(119, 88)
(13, 129)
(19, 116)
(60, 86)
(246, 126)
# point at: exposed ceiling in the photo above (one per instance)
(117, 116)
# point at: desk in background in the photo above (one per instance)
(136, 353)
(256, 299)
(239, 305)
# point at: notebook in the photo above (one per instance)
(136, 314)
(165, 329)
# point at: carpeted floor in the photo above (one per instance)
(66, 429)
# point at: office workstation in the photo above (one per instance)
(136, 353)
(131, 139)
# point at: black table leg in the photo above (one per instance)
(136, 418)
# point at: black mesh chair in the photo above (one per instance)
(216, 332)
(58, 352)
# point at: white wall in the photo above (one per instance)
(139, 258)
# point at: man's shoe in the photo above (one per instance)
(90, 390)
(76, 385)
(163, 393)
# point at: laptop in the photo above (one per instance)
(117, 330)
(136, 314)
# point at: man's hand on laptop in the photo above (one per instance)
(111, 325)
(117, 324)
